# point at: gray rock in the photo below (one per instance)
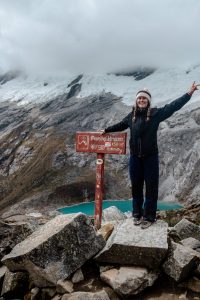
(3, 270)
(35, 293)
(186, 229)
(131, 245)
(102, 295)
(191, 243)
(65, 286)
(112, 213)
(77, 79)
(181, 261)
(59, 160)
(56, 249)
(14, 284)
(56, 297)
(39, 134)
(74, 90)
(106, 230)
(78, 276)
(129, 280)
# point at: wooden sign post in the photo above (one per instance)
(101, 144)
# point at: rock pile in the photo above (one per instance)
(54, 261)
(56, 250)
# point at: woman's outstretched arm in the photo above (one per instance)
(168, 110)
(124, 124)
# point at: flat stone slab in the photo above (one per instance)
(131, 245)
(56, 250)
(129, 280)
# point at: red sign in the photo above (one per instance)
(101, 143)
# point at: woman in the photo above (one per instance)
(143, 122)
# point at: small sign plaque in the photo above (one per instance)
(114, 143)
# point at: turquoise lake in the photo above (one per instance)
(123, 205)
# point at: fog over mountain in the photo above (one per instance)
(98, 35)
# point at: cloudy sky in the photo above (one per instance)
(98, 35)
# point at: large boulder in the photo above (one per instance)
(56, 250)
(131, 245)
(181, 261)
(129, 280)
(186, 229)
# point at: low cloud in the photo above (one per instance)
(98, 35)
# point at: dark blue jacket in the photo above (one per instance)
(143, 134)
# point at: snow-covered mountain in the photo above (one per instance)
(164, 84)
(39, 116)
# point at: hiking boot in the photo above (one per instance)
(145, 224)
(137, 221)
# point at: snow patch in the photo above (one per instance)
(164, 84)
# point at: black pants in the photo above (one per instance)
(145, 169)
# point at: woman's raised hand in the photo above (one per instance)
(193, 88)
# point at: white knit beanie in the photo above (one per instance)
(144, 93)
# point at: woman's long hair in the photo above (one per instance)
(135, 110)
